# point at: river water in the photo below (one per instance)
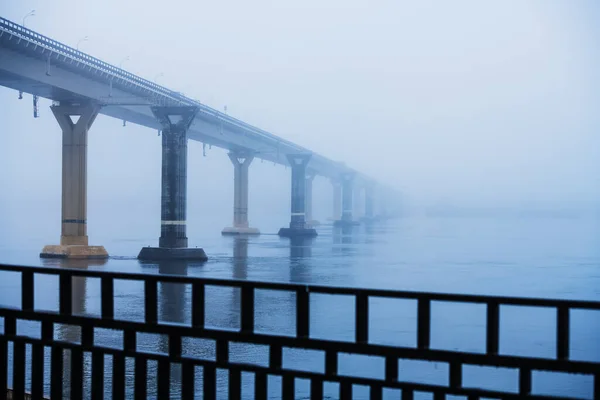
(551, 256)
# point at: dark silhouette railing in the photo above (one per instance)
(302, 339)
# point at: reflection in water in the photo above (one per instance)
(300, 254)
(71, 333)
(240, 258)
(171, 308)
(343, 239)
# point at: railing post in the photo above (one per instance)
(362, 318)
(27, 291)
(424, 323)
(302, 313)
(492, 328)
(247, 309)
(562, 332)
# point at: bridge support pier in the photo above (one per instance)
(369, 202)
(241, 163)
(298, 227)
(172, 244)
(308, 201)
(347, 197)
(337, 199)
(74, 239)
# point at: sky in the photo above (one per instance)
(483, 104)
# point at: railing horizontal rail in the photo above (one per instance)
(418, 387)
(274, 343)
(321, 289)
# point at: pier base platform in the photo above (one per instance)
(166, 253)
(74, 252)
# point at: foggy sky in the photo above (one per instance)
(462, 102)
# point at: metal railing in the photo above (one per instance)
(156, 91)
(361, 345)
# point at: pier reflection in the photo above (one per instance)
(79, 300)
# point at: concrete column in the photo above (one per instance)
(347, 198)
(172, 244)
(358, 202)
(298, 163)
(337, 199)
(369, 201)
(75, 120)
(241, 163)
(308, 200)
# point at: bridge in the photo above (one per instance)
(82, 86)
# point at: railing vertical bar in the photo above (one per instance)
(331, 362)
(76, 373)
(407, 394)
(37, 371)
(87, 336)
(562, 333)
(302, 313)
(187, 380)
(97, 375)
(288, 388)
(391, 369)
(439, 395)
(597, 386)
(163, 379)
(118, 378)
(107, 297)
(473, 397)
(316, 389)
(129, 341)
(3, 364)
(235, 384)
(10, 326)
(56, 374)
(275, 357)
(18, 370)
(260, 386)
(376, 392)
(47, 331)
(455, 375)
(222, 351)
(345, 389)
(247, 309)
(27, 291)
(524, 381)
(209, 377)
(492, 328)
(198, 305)
(141, 378)
(150, 301)
(362, 318)
(65, 290)
(423, 329)
(174, 346)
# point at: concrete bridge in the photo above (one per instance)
(81, 87)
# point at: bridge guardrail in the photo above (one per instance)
(276, 344)
(9, 27)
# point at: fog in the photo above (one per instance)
(463, 103)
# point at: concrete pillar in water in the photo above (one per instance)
(337, 199)
(241, 163)
(347, 197)
(369, 201)
(298, 228)
(308, 200)
(358, 202)
(74, 239)
(172, 244)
